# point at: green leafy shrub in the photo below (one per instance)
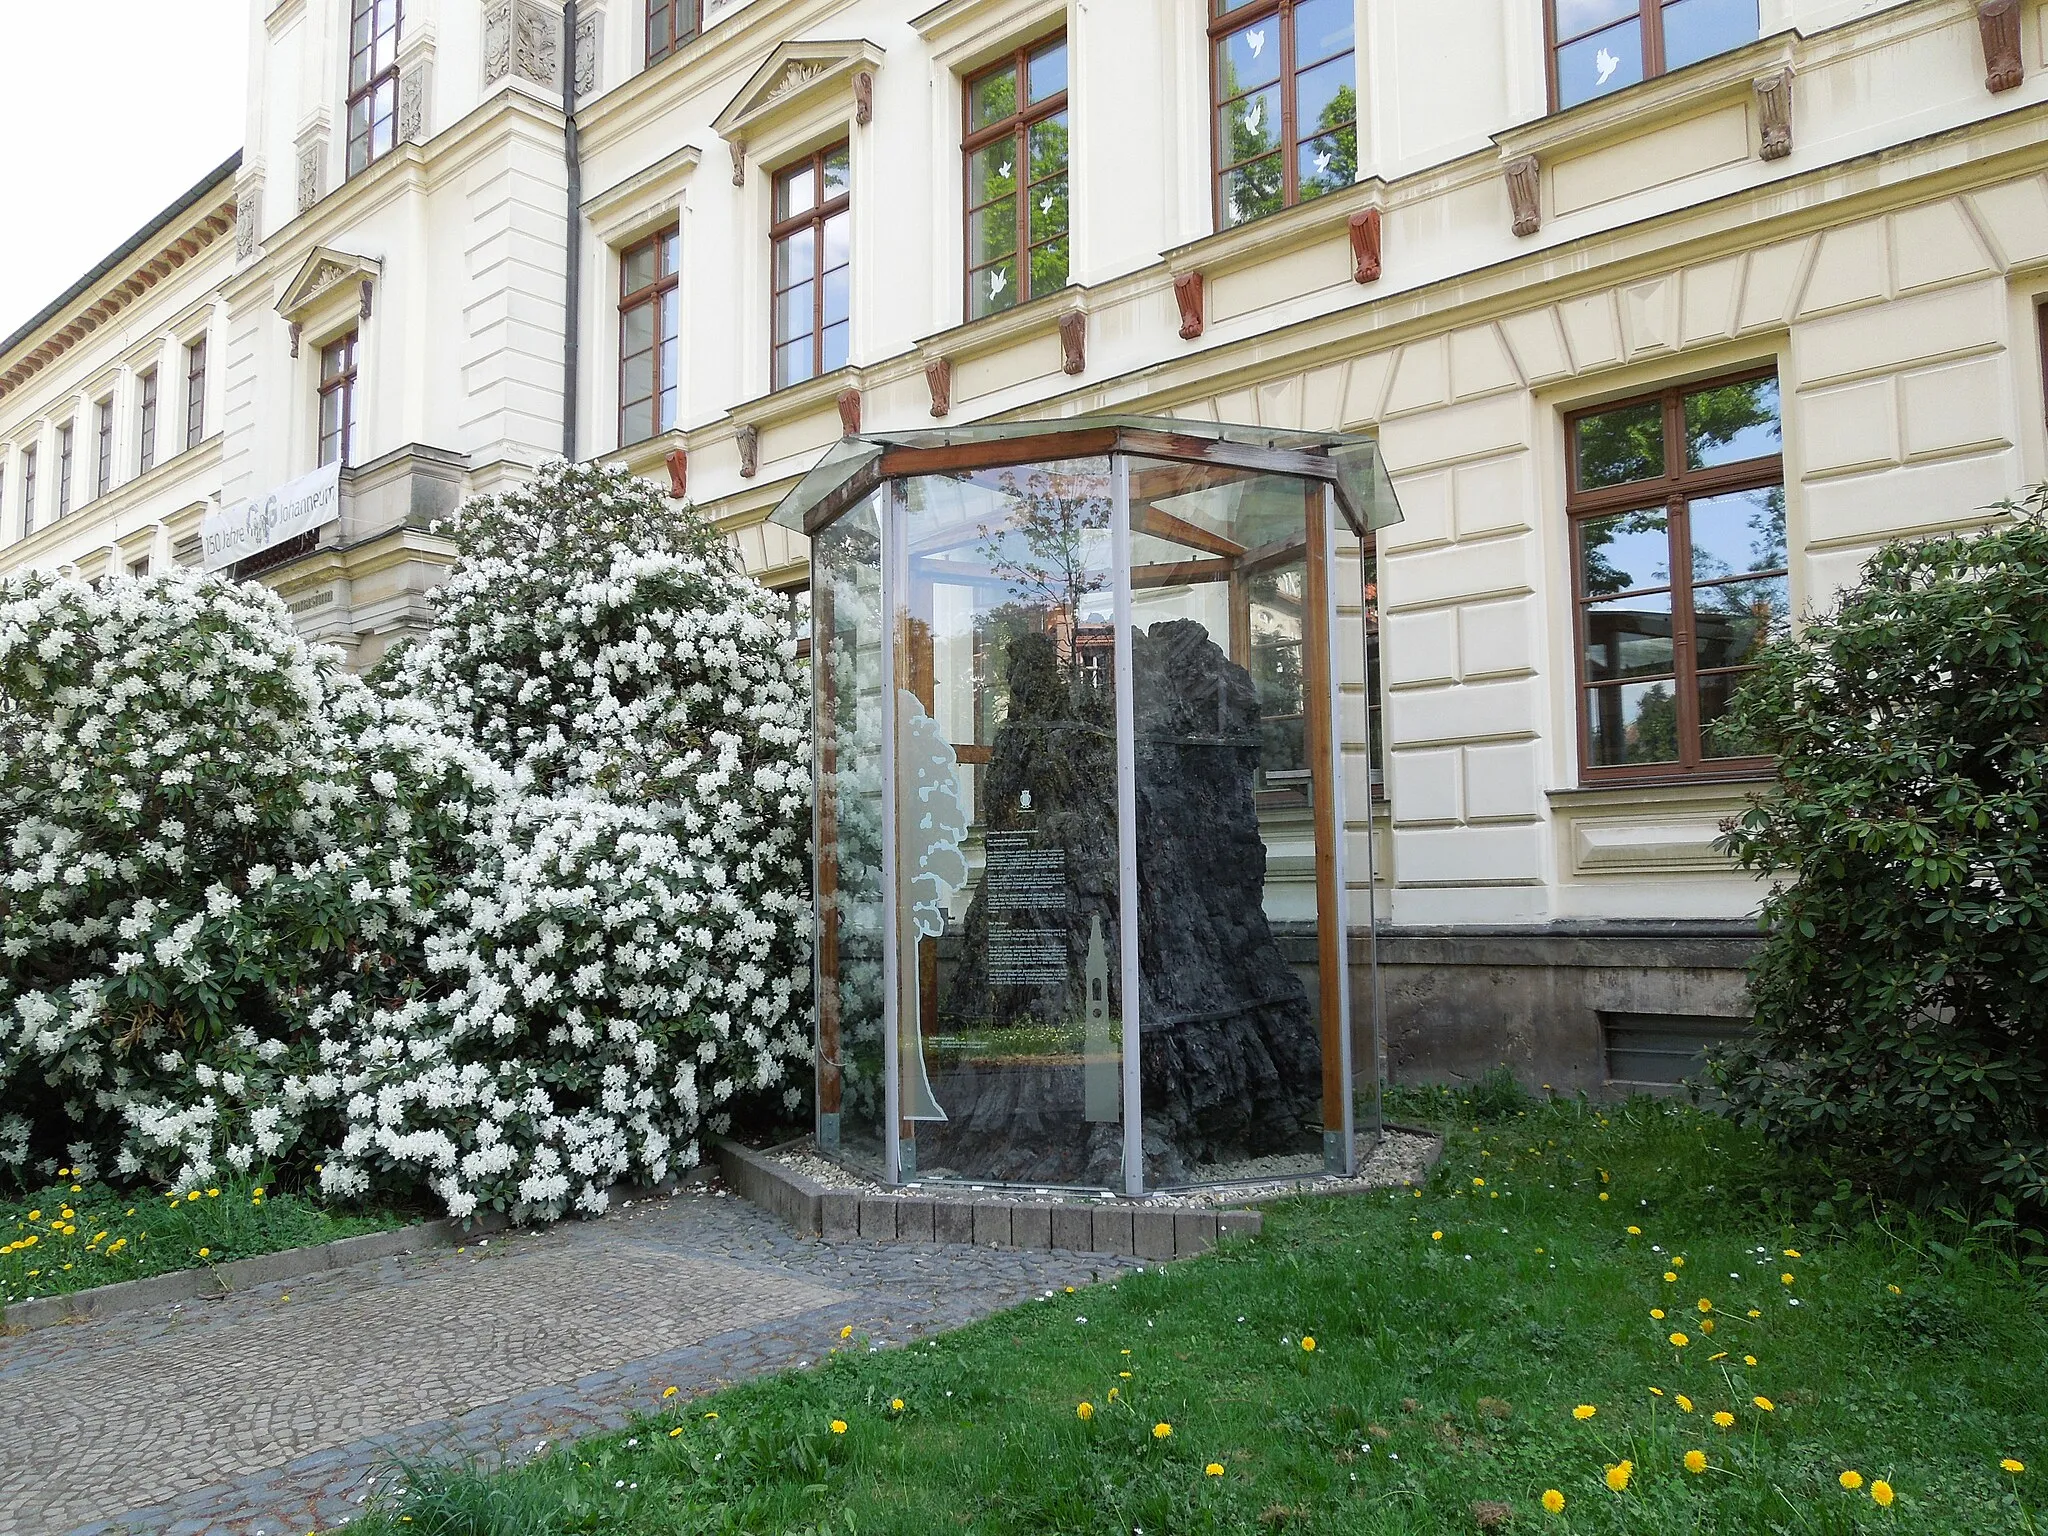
(1902, 993)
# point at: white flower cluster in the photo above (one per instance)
(513, 924)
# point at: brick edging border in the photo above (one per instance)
(1118, 1229)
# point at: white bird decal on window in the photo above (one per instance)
(1322, 161)
(1257, 40)
(1045, 203)
(1004, 169)
(1607, 64)
(1253, 118)
(998, 280)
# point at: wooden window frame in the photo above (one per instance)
(67, 465)
(651, 294)
(343, 383)
(1651, 13)
(1016, 126)
(1290, 166)
(814, 218)
(675, 11)
(103, 446)
(195, 392)
(28, 490)
(145, 421)
(1675, 489)
(2041, 344)
(372, 87)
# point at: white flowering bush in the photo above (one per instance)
(514, 924)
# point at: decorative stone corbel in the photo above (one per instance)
(1774, 114)
(938, 378)
(849, 412)
(363, 290)
(863, 98)
(1365, 246)
(1073, 341)
(1525, 193)
(739, 161)
(1998, 22)
(295, 331)
(749, 440)
(678, 462)
(1187, 293)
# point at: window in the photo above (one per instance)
(372, 81)
(1286, 93)
(28, 491)
(1599, 46)
(338, 401)
(138, 568)
(1677, 506)
(810, 236)
(195, 393)
(65, 436)
(103, 462)
(670, 24)
(1016, 146)
(648, 324)
(145, 427)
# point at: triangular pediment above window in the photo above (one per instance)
(795, 77)
(319, 275)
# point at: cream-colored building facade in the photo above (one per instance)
(1852, 199)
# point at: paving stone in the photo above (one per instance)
(1152, 1234)
(248, 1412)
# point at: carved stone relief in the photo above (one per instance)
(589, 50)
(248, 210)
(1525, 193)
(1073, 341)
(522, 38)
(1187, 293)
(1365, 246)
(311, 182)
(798, 74)
(412, 104)
(1774, 113)
(938, 377)
(1998, 21)
(863, 98)
(849, 412)
(739, 162)
(749, 440)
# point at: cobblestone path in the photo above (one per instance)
(273, 1410)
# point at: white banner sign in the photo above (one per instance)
(311, 501)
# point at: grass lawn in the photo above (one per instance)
(70, 1237)
(1577, 1291)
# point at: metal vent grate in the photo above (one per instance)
(1662, 1050)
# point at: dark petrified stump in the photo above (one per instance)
(1230, 1059)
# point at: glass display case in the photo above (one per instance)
(1080, 853)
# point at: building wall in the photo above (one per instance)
(1887, 263)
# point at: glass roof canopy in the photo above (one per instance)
(1349, 462)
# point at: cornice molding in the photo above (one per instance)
(793, 79)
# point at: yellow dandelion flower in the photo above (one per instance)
(1881, 1492)
(1115, 1393)
(1085, 1411)
(2012, 1465)
(1670, 1277)
(1308, 1344)
(1719, 1354)
(1792, 1253)
(194, 1195)
(213, 1194)
(1479, 1183)
(668, 1391)
(1706, 1325)
(1749, 1360)
(1754, 1313)
(1785, 1279)
(1678, 1263)
(1723, 1419)
(1656, 1391)
(846, 1332)
(1706, 1305)
(1765, 1403)
(1657, 1313)
(1161, 1431)
(1851, 1479)
(1619, 1474)
(1553, 1501)
(711, 1415)
(1685, 1402)
(839, 1426)
(1214, 1469)
(1695, 1461)
(35, 1215)
(1603, 1194)
(1895, 1290)
(1679, 1341)
(1635, 1231)
(1584, 1411)
(204, 1252)
(895, 1405)
(676, 1431)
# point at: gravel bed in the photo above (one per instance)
(1402, 1157)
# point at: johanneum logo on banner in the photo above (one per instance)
(236, 533)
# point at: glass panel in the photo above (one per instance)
(1617, 446)
(1732, 619)
(838, 232)
(636, 422)
(1223, 647)
(852, 914)
(1326, 97)
(668, 409)
(1327, 164)
(993, 288)
(1575, 18)
(1252, 191)
(671, 251)
(836, 345)
(1699, 29)
(1632, 723)
(1732, 423)
(992, 98)
(1719, 736)
(1049, 71)
(1735, 534)
(1248, 58)
(1250, 125)
(1629, 637)
(838, 173)
(670, 321)
(992, 231)
(657, 32)
(1009, 927)
(1624, 552)
(992, 172)
(1597, 65)
(636, 329)
(836, 305)
(793, 363)
(796, 189)
(1046, 143)
(1049, 267)
(1048, 209)
(637, 270)
(795, 258)
(1322, 29)
(794, 311)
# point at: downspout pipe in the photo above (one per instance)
(572, 279)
